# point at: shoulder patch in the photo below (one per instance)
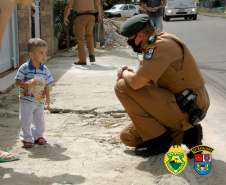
(149, 51)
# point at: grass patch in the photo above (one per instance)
(119, 18)
(118, 24)
(57, 135)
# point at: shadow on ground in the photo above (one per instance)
(7, 174)
(52, 153)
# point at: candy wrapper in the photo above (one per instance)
(38, 87)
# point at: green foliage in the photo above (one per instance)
(60, 27)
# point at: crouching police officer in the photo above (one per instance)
(85, 17)
(166, 97)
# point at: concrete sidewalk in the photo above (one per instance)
(90, 87)
(82, 129)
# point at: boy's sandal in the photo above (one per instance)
(4, 149)
(2, 158)
(27, 144)
(43, 142)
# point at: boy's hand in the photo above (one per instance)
(30, 84)
(47, 103)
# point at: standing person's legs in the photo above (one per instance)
(153, 111)
(79, 31)
(26, 117)
(153, 21)
(38, 122)
(89, 34)
(158, 22)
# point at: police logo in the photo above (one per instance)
(149, 51)
(202, 162)
(175, 159)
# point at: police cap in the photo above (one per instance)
(133, 25)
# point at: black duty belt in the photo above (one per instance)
(185, 101)
(79, 14)
(87, 13)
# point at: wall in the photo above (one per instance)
(24, 32)
(47, 25)
(47, 29)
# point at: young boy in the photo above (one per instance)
(34, 78)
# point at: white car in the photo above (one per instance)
(180, 8)
(121, 10)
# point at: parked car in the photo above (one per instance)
(121, 10)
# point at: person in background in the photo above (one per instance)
(142, 10)
(138, 7)
(83, 26)
(154, 11)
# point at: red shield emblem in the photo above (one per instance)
(206, 158)
(198, 158)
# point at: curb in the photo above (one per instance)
(212, 15)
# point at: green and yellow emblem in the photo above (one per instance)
(175, 159)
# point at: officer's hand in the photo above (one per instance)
(99, 19)
(66, 21)
(118, 79)
(121, 69)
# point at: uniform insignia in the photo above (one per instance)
(152, 39)
(202, 162)
(149, 51)
(175, 159)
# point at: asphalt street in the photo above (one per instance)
(206, 39)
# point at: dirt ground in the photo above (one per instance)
(82, 149)
(82, 130)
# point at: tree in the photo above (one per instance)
(61, 30)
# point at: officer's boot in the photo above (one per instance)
(193, 137)
(156, 146)
(92, 58)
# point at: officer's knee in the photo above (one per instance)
(120, 85)
(127, 140)
(124, 138)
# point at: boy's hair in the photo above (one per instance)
(35, 42)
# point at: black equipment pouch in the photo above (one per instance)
(186, 103)
(75, 15)
(96, 16)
